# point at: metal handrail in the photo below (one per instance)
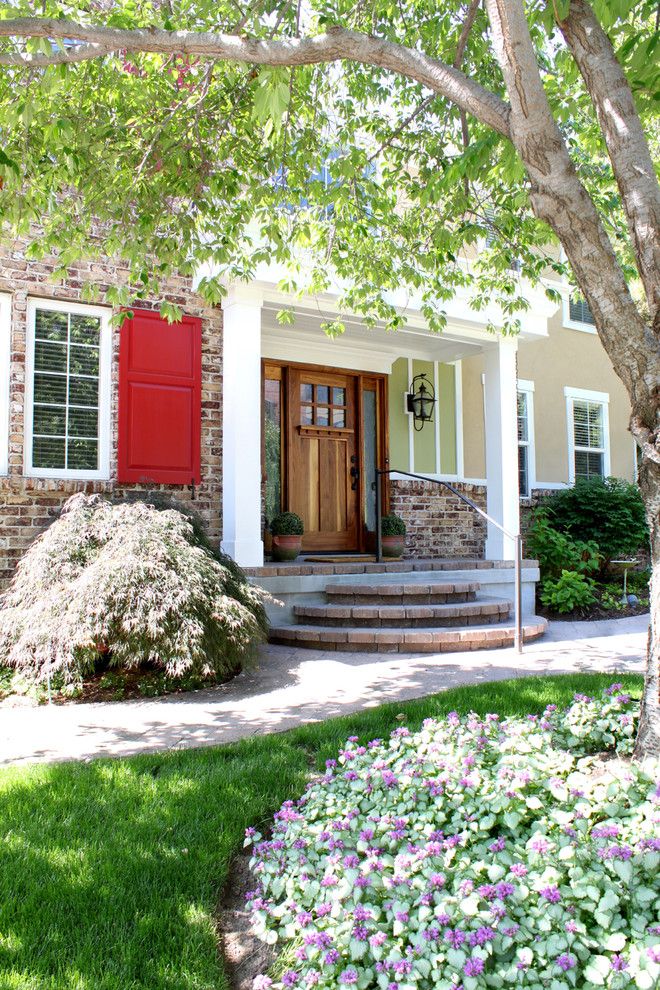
(516, 537)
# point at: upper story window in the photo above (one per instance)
(526, 459)
(588, 434)
(578, 316)
(67, 402)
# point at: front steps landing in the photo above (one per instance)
(398, 606)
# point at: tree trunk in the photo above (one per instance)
(648, 737)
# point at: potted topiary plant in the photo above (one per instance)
(393, 533)
(287, 530)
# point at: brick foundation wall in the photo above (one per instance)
(29, 505)
(438, 524)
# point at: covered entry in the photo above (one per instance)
(324, 434)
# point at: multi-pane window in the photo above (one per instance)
(579, 312)
(523, 444)
(588, 439)
(67, 392)
(322, 405)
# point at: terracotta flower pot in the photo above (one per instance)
(286, 547)
(393, 546)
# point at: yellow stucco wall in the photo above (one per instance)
(567, 357)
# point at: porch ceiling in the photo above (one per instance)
(359, 347)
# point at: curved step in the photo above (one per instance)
(391, 640)
(404, 616)
(412, 593)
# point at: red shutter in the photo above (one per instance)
(160, 367)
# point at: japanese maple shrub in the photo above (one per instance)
(137, 582)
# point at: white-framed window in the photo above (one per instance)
(577, 315)
(526, 452)
(5, 359)
(587, 416)
(67, 390)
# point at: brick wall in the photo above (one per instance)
(28, 505)
(438, 524)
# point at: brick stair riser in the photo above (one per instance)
(389, 622)
(403, 599)
(462, 645)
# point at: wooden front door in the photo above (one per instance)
(322, 457)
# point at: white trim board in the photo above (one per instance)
(5, 362)
(105, 373)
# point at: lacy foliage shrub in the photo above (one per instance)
(139, 580)
(609, 511)
(473, 854)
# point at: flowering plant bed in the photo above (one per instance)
(474, 853)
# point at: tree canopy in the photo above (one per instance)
(342, 169)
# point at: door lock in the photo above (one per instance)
(355, 474)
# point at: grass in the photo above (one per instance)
(110, 871)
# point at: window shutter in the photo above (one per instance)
(160, 366)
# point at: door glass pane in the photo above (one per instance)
(273, 447)
(306, 393)
(339, 396)
(369, 457)
(322, 416)
(339, 417)
(322, 393)
(306, 415)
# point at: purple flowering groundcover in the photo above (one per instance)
(473, 853)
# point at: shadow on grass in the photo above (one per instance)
(110, 871)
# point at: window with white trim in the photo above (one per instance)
(526, 457)
(5, 351)
(588, 434)
(577, 314)
(67, 391)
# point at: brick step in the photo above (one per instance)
(413, 593)
(391, 640)
(404, 616)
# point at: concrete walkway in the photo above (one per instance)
(288, 687)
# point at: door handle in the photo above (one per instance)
(355, 474)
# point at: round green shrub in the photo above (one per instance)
(569, 591)
(609, 511)
(393, 525)
(139, 581)
(287, 524)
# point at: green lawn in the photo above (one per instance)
(110, 871)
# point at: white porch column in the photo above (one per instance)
(241, 426)
(501, 446)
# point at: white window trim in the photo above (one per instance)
(585, 394)
(575, 324)
(528, 388)
(105, 372)
(5, 361)
(566, 309)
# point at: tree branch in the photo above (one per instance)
(337, 44)
(560, 199)
(626, 143)
(470, 18)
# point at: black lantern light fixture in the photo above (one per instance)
(420, 401)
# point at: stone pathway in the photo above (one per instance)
(288, 687)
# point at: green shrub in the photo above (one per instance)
(287, 524)
(569, 591)
(557, 552)
(609, 511)
(393, 525)
(140, 580)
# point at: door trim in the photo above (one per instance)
(277, 369)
